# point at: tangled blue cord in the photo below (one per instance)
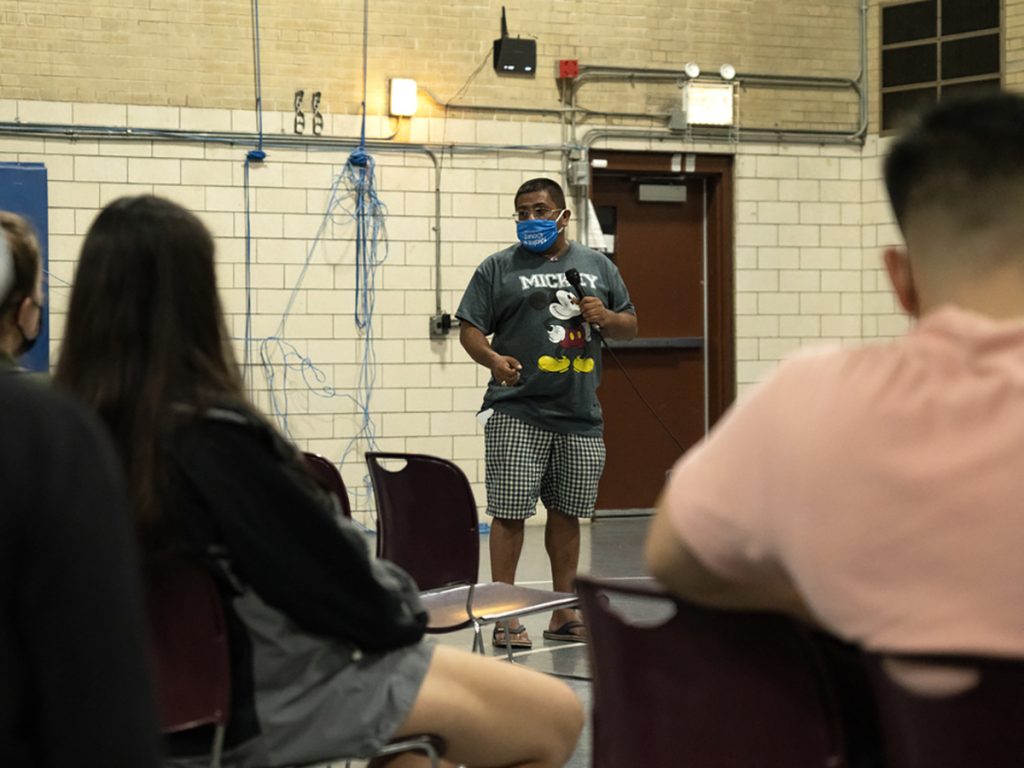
(352, 195)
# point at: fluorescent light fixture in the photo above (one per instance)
(403, 97)
(708, 103)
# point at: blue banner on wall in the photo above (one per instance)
(23, 191)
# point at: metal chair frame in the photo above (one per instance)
(464, 602)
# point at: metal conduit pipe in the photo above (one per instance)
(73, 132)
(437, 229)
(862, 76)
(595, 72)
(794, 135)
(240, 139)
(554, 111)
(785, 81)
(588, 72)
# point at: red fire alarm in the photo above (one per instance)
(568, 68)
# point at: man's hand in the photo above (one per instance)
(505, 370)
(612, 325)
(593, 310)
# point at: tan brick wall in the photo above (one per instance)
(810, 221)
(1013, 46)
(199, 54)
(426, 392)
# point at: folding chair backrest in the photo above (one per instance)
(978, 722)
(708, 688)
(330, 478)
(426, 518)
(188, 641)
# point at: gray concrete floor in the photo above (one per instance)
(609, 548)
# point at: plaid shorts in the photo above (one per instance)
(524, 463)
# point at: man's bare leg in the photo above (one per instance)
(562, 541)
(495, 714)
(506, 545)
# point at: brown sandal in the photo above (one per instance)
(513, 642)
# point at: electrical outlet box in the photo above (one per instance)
(568, 69)
(440, 325)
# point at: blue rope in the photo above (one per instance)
(247, 348)
(252, 156)
(353, 195)
(366, 41)
(257, 74)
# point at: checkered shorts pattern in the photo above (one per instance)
(524, 463)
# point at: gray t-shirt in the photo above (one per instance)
(525, 301)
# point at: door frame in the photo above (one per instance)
(717, 172)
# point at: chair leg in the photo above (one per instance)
(478, 639)
(218, 746)
(418, 744)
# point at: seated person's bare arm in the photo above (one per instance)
(671, 561)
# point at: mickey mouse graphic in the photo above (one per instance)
(570, 332)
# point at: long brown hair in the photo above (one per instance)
(145, 335)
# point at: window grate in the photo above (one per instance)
(937, 49)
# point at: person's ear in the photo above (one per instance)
(897, 264)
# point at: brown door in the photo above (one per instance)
(661, 391)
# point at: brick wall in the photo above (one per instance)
(809, 220)
(808, 223)
(199, 54)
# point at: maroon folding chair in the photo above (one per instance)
(946, 711)
(675, 684)
(427, 524)
(189, 649)
(327, 473)
(190, 652)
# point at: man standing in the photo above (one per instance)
(545, 302)
(877, 489)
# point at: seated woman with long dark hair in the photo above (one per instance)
(326, 642)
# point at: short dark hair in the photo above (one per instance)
(541, 184)
(958, 158)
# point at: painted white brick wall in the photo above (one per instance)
(810, 223)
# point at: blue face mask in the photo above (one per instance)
(537, 235)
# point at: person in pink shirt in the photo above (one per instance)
(878, 491)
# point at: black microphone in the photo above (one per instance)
(573, 276)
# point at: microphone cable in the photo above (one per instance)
(573, 276)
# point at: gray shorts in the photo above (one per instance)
(315, 700)
(524, 463)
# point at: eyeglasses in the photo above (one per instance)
(537, 212)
